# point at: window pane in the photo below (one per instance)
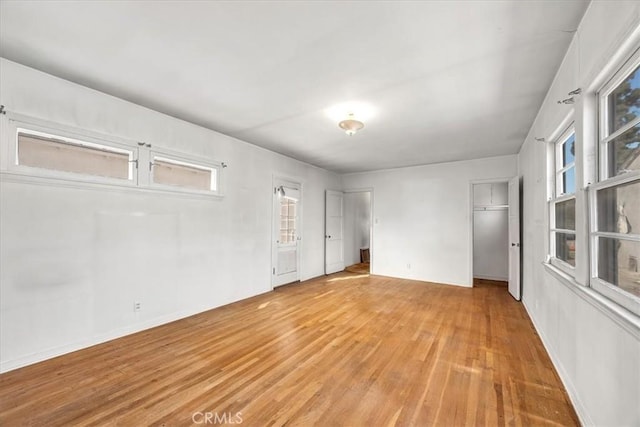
(569, 181)
(566, 248)
(624, 102)
(619, 209)
(618, 263)
(287, 220)
(180, 175)
(566, 215)
(53, 154)
(568, 151)
(624, 151)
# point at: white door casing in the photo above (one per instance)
(334, 245)
(286, 235)
(514, 238)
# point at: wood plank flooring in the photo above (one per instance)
(346, 349)
(361, 268)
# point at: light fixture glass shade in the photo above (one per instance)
(351, 125)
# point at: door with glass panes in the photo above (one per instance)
(287, 204)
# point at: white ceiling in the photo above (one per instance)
(446, 80)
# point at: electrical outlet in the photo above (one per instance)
(408, 266)
(137, 306)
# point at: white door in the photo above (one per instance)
(334, 249)
(287, 205)
(514, 237)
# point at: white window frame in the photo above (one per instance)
(625, 299)
(18, 124)
(557, 196)
(603, 122)
(185, 160)
(140, 155)
(614, 293)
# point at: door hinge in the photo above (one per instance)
(274, 270)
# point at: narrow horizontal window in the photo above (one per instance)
(182, 174)
(56, 153)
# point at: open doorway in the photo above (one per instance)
(357, 231)
(495, 246)
(491, 234)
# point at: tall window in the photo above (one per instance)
(615, 226)
(563, 202)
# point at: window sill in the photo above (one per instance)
(23, 178)
(627, 320)
(566, 268)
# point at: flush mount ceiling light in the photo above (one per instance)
(350, 125)
(345, 115)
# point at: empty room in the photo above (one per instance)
(345, 213)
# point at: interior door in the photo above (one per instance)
(287, 205)
(514, 237)
(334, 245)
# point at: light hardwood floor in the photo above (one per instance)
(346, 349)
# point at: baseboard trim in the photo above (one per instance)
(498, 279)
(41, 356)
(580, 408)
(50, 353)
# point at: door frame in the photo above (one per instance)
(276, 180)
(470, 210)
(372, 252)
(516, 292)
(327, 237)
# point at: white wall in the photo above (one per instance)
(421, 217)
(75, 259)
(357, 225)
(595, 348)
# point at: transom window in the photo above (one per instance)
(56, 153)
(177, 173)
